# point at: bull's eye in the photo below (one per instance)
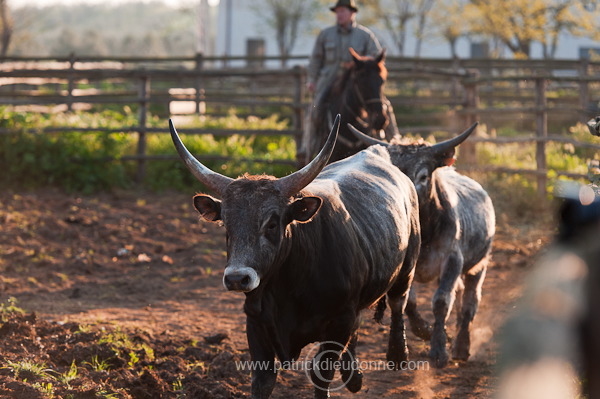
(271, 229)
(422, 179)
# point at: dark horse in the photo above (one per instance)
(357, 95)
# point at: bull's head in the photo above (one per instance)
(419, 160)
(256, 212)
(369, 77)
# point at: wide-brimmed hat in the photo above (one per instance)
(345, 3)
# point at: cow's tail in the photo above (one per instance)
(380, 309)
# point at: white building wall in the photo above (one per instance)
(245, 25)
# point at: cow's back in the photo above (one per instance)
(379, 204)
(474, 210)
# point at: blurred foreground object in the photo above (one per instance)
(594, 126)
(550, 346)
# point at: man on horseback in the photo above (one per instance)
(330, 52)
(329, 58)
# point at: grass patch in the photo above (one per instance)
(87, 161)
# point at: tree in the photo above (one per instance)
(395, 16)
(6, 28)
(423, 9)
(520, 23)
(284, 17)
(448, 22)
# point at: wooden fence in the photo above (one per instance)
(429, 95)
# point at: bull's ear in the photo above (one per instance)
(209, 207)
(446, 158)
(303, 209)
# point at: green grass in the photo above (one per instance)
(70, 160)
(85, 161)
(517, 194)
(8, 308)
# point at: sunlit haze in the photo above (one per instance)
(17, 3)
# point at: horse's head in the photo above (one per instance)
(370, 74)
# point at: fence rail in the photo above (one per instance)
(442, 94)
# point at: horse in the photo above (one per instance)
(357, 95)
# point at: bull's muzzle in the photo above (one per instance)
(243, 279)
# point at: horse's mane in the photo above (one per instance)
(338, 86)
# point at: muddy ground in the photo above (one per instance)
(123, 298)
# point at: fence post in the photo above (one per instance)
(200, 104)
(584, 94)
(298, 119)
(468, 152)
(541, 132)
(71, 82)
(143, 92)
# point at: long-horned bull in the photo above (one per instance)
(457, 229)
(310, 251)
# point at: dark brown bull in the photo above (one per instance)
(310, 252)
(457, 229)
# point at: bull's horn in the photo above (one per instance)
(215, 181)
(445, 146)
(368, 140)
(292, 184)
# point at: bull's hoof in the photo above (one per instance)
(353, 380)
(397, 357)
(321, 394)
(421, 330)
(460, 350)
(439, 357)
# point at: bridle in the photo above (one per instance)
(362, 102)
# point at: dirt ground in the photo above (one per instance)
(132, 281)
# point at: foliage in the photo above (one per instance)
(72, 160)
(514, 193)
(519, 23)
(27, 369)
(87, 161)
(127, 29)
(284, 18)
(8, 308)
(447, 21)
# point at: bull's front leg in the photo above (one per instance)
(442, 305)
(351, 374)
(327, 360)
(264, 373)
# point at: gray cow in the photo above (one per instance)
(457, 229)
(310, 252)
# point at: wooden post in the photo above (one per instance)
(468, 152)
(541, 131)
(200, 104)
(71, 82)
(143, 92)
(298, 120)
(455, 83)
(584, 93)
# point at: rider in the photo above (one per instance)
(330, 54)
